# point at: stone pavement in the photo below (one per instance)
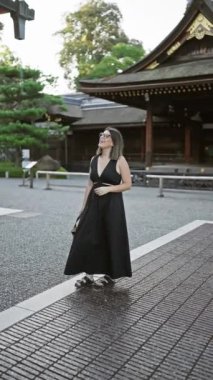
(156, 325)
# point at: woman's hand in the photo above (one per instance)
(102, 190)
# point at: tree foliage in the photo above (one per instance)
(1, 27)
(22, 104)
(90, 35)
(121, 57)
(7, 57)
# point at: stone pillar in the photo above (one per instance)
(149, 138)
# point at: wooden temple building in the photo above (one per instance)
(163, 105)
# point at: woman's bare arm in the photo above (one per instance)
(125, 176)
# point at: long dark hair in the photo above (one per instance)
(118, 143)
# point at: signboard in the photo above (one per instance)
(30, 165)
(25, 158)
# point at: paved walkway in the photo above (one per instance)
(156, 325)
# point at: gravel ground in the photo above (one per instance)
(34, 244)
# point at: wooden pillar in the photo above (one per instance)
(66, 149)
(149, 137)
(71, 150)
(187, 142)
(142, 151)
(200, 154)
(196, 142)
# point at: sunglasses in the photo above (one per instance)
(104, 135)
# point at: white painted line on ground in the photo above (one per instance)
(11, 316)
(7, 211)
(36, 303)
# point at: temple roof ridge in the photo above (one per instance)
(188, 27)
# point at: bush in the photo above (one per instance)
(17, 171)
(13, 170)
(61, 169)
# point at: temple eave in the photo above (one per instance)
(181, 86)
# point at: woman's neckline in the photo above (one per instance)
(99, 175)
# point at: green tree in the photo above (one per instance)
(22, 104)
(122, 56)
(1, 28)
(89, 34)
(7, 57)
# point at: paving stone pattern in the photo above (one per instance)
(157, 325)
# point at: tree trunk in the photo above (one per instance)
(18, 157)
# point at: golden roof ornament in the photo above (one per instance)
(199, 28)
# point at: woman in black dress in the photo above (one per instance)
(100, 244)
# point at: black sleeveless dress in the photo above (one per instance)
(100, 244)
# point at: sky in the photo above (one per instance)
(149, 21)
